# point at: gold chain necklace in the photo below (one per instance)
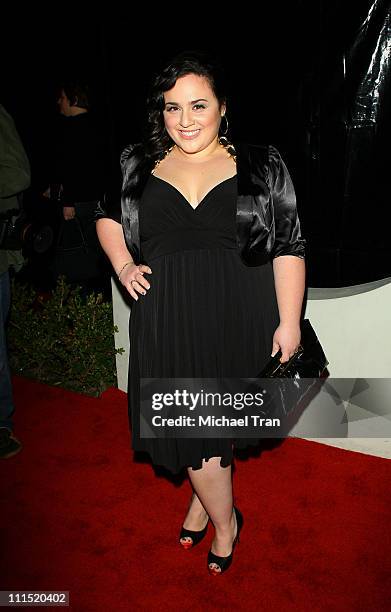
(228, 147)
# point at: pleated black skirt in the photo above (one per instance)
(207, 315)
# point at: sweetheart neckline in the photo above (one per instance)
(194, 208)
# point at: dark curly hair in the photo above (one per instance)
(156, 140)
(77, 91)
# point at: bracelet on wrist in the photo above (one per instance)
(123, 268)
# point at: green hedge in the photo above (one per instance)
(63, 339)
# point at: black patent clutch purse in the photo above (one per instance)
(308, 362)
(305, 367)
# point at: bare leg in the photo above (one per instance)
(196, 517)
(213, 485)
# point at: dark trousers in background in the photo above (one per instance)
(86, 265)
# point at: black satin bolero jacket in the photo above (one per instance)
(267, 222)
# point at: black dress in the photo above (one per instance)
(207, 314)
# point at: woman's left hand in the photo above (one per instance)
(287, 338)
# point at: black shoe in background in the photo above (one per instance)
(9, 445)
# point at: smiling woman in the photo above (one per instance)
(200, 310)
(186, 120)
(197, 161)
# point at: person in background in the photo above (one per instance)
(78, 167)
(15, 177)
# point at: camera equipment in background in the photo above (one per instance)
(18, 231)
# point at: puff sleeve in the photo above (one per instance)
(288, 239)
(106, 209)
(112, 209)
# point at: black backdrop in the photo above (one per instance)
(292, 84)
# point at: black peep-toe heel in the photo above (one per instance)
(196, 536)
(225, 562)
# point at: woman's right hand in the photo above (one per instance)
(132, 278)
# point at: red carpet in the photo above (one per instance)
(79, 514)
